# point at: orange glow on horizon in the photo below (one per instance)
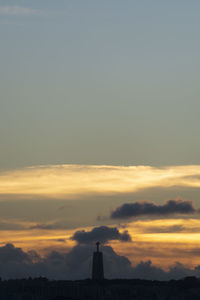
(163, 249)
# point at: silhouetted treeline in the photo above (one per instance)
(133, 289)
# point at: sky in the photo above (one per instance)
(99, 126)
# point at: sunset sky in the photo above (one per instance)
(99, 128)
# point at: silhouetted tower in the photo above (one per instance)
(97, 265)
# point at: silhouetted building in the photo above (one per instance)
(97, 265)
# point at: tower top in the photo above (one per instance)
(97, 243)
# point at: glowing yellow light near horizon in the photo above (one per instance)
(76, 180)
(163, 249)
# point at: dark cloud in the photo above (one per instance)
(102, 234)
(10, 253)
(128, 210)
(77, 264)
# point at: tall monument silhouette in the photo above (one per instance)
(97, 264)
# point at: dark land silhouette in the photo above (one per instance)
(136, 289)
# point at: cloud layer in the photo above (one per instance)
(63, 181)
(128, 210)
(102, 234)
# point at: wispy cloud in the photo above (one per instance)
(63, 181)
(18, 11)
